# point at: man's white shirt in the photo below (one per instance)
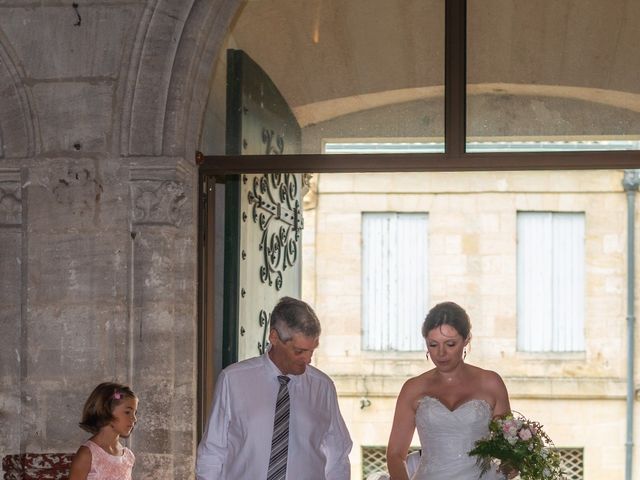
(237, 441)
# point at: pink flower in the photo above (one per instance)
(510, 427)
(525, 434)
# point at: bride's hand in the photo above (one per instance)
(508, 471)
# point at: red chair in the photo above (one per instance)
(37, 466)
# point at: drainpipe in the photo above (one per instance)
(630, 183)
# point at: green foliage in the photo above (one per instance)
(521, 444)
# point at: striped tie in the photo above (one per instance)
(280, 441)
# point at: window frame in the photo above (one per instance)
(455, 157)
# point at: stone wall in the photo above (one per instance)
(101, 112)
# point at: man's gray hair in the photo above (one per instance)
(291, 316)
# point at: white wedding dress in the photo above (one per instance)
(447, 436)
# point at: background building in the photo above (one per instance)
(538, 261)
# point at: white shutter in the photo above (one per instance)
(394, 280)
(568, 288)
(550, 283)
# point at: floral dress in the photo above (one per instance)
(105, 466)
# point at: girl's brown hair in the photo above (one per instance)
(98, 408)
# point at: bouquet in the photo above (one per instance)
(521, 444)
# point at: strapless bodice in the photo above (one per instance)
(447, 436)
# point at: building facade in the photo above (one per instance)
(562, 354)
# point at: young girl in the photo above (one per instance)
(109, 413)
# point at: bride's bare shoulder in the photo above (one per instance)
(420, 380)
(491, 377)
(491, 382)
(482, 374)
(417, 387)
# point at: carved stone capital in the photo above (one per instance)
(309, 191)
(158, 193)
(157, 202)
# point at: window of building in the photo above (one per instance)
(572, 462)
(374, 460)
(550, 284)
(394, 280)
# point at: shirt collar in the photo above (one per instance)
(273, 368)
(275, 371)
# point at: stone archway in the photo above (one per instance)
(161, 127)
(101, 114)
(17, 137)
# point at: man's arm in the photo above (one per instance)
(212, 450)
(337, 442)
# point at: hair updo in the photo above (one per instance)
(447, 313)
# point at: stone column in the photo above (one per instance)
(74, 330)
(11, 260)
(163, 327)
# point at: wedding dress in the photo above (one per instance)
(447, 436)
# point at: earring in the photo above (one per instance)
(464, 353)
(427, 355)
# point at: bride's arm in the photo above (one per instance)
(502, 407)
(404, 424)
(498, 389)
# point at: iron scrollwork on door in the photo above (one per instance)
(264, 320)
(276, 209)
(267, 139)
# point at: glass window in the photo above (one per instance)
(550, 286)
(549, 70)
(346, 68)
(394, 280)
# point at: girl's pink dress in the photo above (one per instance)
(105, 466)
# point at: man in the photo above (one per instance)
(276, 417)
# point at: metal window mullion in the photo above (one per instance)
(455, 77)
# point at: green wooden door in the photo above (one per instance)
(263, 220)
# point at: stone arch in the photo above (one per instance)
(190, 85)
(165, 94)
(17, 123)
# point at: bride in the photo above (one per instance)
(450, 405)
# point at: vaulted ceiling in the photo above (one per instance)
(367, 52)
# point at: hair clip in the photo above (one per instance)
(117, 395)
